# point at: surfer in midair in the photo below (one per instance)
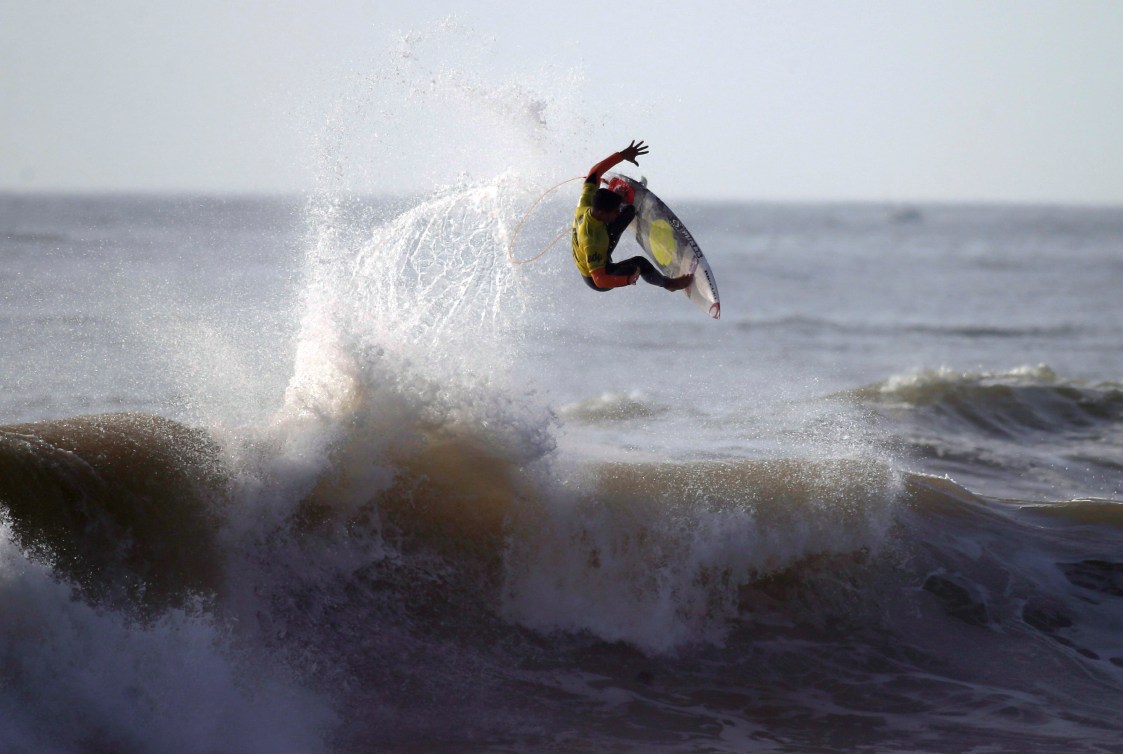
(599, 222)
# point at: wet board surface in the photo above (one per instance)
(671, 247)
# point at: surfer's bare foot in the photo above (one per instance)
(677, 284)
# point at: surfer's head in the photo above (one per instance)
(606, 205)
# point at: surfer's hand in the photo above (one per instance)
(634, 150)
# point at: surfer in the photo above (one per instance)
(598, 224)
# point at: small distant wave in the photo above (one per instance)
(951, 330)
(33, 239)
(1023, 431)
(993, 331)
(921, 379)
(612, 407)
(1003, 403)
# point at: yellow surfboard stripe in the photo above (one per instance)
(661, 238)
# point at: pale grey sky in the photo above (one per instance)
(917, 100)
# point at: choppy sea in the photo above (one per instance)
(331, 474)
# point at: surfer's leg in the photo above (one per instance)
(617, 227)
(649, 274)
(646, 269)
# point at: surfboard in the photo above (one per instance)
(670, 246)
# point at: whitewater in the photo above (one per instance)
(330, 474)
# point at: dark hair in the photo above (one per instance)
(606, 199)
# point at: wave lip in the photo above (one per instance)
(117, 501)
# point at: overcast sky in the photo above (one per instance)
(948, 100)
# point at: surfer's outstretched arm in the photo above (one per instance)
(629, 153)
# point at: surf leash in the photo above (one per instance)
(526, 216)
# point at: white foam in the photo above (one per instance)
(662, 569)
(1029, 374)
(77, 678)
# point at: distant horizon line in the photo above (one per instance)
(295, 195)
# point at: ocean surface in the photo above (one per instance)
(331, 474)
